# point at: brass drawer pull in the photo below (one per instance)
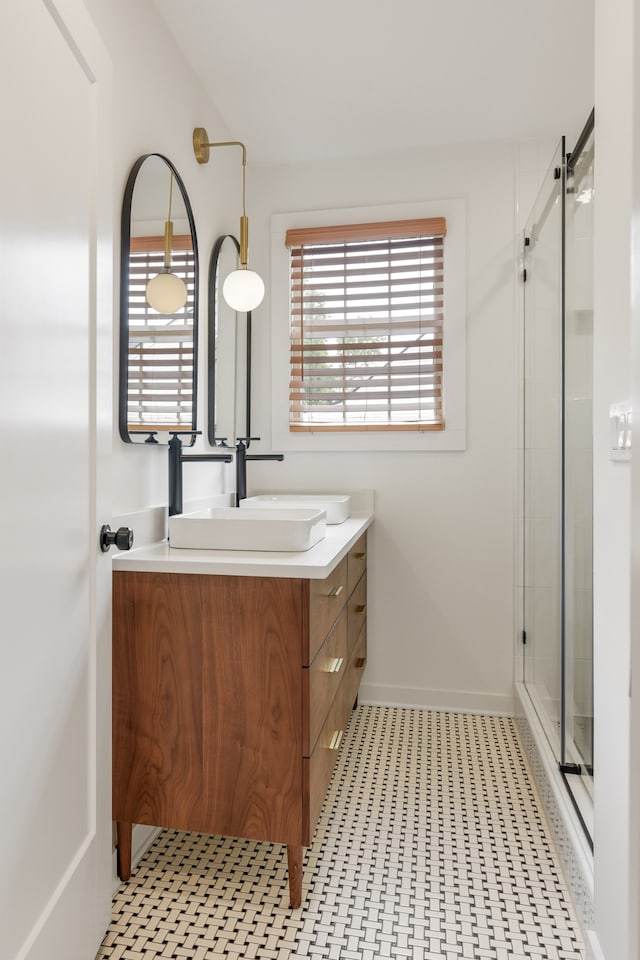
(336, 740)
(359, 556)
(360, 662)
(335, 591)
(335, 665)
(361, 609)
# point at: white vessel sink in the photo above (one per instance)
(336, 506)
(227, 528)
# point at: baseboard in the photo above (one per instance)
(141, 840)
(57, 932)
(594, 951)
(451, 701)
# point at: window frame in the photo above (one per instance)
(452, 436)
(368, 276)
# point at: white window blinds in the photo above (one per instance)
(367, 308)
(160, 346)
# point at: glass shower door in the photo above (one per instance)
(557, 464)
(578, 470)
(542, 461)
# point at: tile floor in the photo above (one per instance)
(431, 845)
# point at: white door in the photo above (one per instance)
(55, 412)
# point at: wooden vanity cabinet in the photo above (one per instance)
(231, 696)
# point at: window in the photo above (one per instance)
(367, 304)
(368, 328)
(160, 346)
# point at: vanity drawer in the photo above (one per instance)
(357, 612)
(323, 678)
(326, 600)
(356, 562)
(353, 676)
(318, 768)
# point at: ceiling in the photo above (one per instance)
(300, 81)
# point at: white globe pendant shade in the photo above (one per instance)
(166, 293)
(243, 290)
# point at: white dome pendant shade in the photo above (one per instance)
(166, 293)
(243, 290)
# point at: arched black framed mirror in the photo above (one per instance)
(159, 343)
(229, 353)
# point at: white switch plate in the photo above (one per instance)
(621, 420)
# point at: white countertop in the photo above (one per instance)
(314, 564)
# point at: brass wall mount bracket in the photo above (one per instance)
(201, 144)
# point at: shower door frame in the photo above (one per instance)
(566, 758)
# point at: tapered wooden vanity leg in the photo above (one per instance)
(294, 857)
(123, 843)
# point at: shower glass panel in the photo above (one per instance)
(557, 464)
(542, 465)
(578, 473)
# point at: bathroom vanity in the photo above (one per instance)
(233, 679)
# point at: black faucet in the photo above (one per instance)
(241, 464)
(176, 459)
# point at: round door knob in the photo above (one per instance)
(122, 538)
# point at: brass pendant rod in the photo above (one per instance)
(201, 148)
(168, 243)
(168, 231)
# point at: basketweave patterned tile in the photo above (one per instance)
(431, 845)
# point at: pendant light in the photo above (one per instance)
(243, 289)
(166, 292)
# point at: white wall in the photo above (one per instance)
(612, 515)
(441, 600)
(157, 102)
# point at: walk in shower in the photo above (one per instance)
(557, 605)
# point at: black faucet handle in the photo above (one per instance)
(246, 441)
(151, 435)
(176, 442)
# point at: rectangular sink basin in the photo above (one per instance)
(227, 528)
(336, 506)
